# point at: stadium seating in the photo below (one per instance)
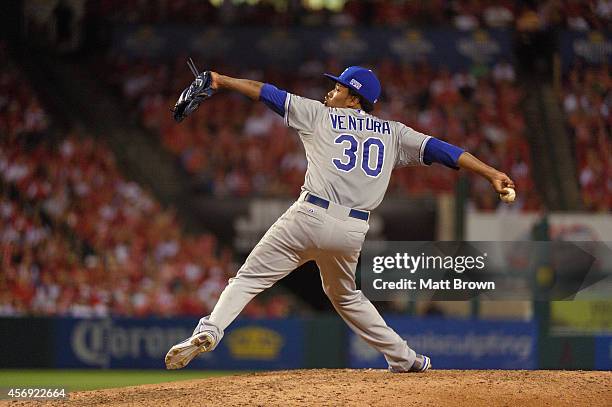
(78, 238)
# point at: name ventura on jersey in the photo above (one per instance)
(368, 123)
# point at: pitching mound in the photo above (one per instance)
(368, 387)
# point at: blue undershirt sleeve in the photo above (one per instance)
(438, 151)
(274, 98)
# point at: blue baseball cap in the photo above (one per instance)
(361, 80)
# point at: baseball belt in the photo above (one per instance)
(324, 203)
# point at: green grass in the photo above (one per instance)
(74, 380)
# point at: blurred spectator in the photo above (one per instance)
(587, 100)
(20, 109)
(498, 15)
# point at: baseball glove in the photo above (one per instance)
(190, 99)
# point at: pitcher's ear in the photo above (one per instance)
(354, 101)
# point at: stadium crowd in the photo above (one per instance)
(587, 99)
(77, 238)
(237, 148)
(462, 14)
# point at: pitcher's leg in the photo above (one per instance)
(271, 260)
(338, 278)
(275, 256)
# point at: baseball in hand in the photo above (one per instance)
(509, 196)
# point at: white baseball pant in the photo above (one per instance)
(333, 239)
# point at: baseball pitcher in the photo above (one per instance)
(350, 155)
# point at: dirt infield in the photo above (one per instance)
(365, 388)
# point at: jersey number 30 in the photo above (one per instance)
(370, 146)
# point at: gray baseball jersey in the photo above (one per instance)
(351, 153)
(350, 158)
